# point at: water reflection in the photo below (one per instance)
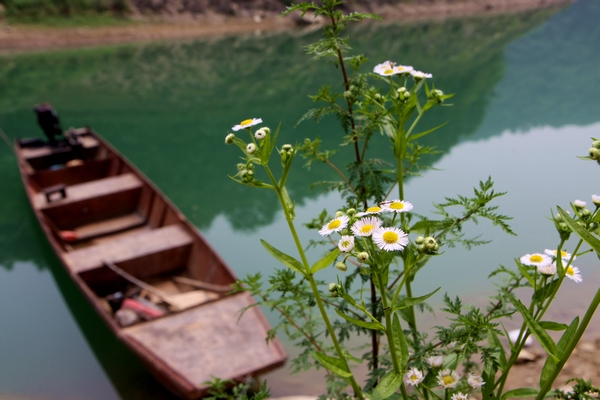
(168, 106)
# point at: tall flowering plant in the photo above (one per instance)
(378, 244)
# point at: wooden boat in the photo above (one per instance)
(119, 236)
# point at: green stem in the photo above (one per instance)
(311, 280)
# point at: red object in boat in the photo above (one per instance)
(69, 236)
(141, 309)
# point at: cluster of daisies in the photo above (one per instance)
(390, 68)
(448, 379)
(369, 225)
(546, 263)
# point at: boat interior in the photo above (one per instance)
(116, 231)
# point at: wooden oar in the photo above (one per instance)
(178, 301)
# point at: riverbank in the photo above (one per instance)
(27, 38)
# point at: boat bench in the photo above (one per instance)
(143, 254)
(90, 202)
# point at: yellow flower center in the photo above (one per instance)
(414, 378)
(388, 71)
(334, 224)
(374, 209)
(397, 206)
(367, 228)
(246, 122)
(345, 243)
(536, 258)
(448, 380)
(563, 254)
(390, 237)
(570, 271)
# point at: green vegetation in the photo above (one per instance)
(66, 12)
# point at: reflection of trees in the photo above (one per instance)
(168, 106)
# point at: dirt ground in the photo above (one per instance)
(27, 38)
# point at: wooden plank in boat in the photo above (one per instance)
(109, 226)
(32, 153)
(89, 190)
(210, 340)
(130, 247)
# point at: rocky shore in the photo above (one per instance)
(153, 20)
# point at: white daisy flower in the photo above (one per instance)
(370, 210)
(335, 225)
(563, 254)
(420, 74)
(448, 379)
(413, 377)
(475, 381)
(459, 396)
(247, 123)
(398, 206)
(389, 68)
(573, 274)
(435, 361)
(579, 204)
(390, 239)
(403, 69)
(596, 200)
(536, 260)
(346, 243)
(548, 270)
(366, 226)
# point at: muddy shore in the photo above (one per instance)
(27, 38)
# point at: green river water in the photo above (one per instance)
(526, 105)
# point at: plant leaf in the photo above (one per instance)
(387, 386)
(363, 324)
(562, 344)
(335, 365)
(540, 334)
(325, 261)
(412, 301)
(517, 393)
(286, 260)
(583, 234)
(553, 326)
(399, 342)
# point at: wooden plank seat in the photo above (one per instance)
(46, 156)
(213, 339)
(109, 226)
(89, 190)
(170, 245)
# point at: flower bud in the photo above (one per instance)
(586, 214)
(596, 144)
(596, 200)
(339, 214)
(363, 257)
(261, 133)
(351, 212)
(286, 147)
(229, 139)
(578, 204)
(563, 227)
(335, 290)
(241, 166)
(251, 148)
(419, 240)
(594, 153)
(341, 266)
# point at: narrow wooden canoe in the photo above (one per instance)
(110, 227)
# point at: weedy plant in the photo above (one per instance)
(379, 245)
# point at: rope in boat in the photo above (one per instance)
(7, 141)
